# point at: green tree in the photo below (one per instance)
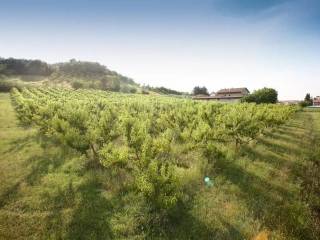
(104, 83)
(77, 85)
(133, 90)
(308, 100)
(115, 85)
(2, 68)
(200, 91)
(264, 95)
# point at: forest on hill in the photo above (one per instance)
(75, 74)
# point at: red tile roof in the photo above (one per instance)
(233, 90)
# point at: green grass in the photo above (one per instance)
(47, 192)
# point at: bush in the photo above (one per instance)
(77, 85)
(304, 104)
(128, 89)
(7, 86)
(133, 90)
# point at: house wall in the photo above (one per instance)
(316, 101)
(229, 100)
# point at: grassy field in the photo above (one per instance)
(260, 192)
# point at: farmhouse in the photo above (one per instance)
(225, 95)
(316, 101)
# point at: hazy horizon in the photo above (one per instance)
(176, 44)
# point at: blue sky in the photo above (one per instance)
(176, 44)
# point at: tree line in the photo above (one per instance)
(12, 66)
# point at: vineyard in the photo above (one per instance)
(155, 152)
(150, 138)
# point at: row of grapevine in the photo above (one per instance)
(149, 137)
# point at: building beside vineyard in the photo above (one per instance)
(225, 95)
(316, 101)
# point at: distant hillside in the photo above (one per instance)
(82, 74)
(73, 74)
(76, 74)
(165, 91)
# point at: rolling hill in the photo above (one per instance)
(72, 74)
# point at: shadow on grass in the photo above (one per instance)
(283, 148)
(289, 134)
(48, 160)
(277, 160)
(277, 206)
(42, 164)
(291, 138)
(20, 143)
(9, 193)
(272, 204)
(54, 222)
(195, 229)
(280, 148)
(184, 225)
(92, 215)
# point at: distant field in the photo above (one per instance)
(312, 109)
(263, 190)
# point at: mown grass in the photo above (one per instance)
(47, 192)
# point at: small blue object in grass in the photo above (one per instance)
(208, 182)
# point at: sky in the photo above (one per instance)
(177, 44)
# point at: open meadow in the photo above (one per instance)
(90, 165)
